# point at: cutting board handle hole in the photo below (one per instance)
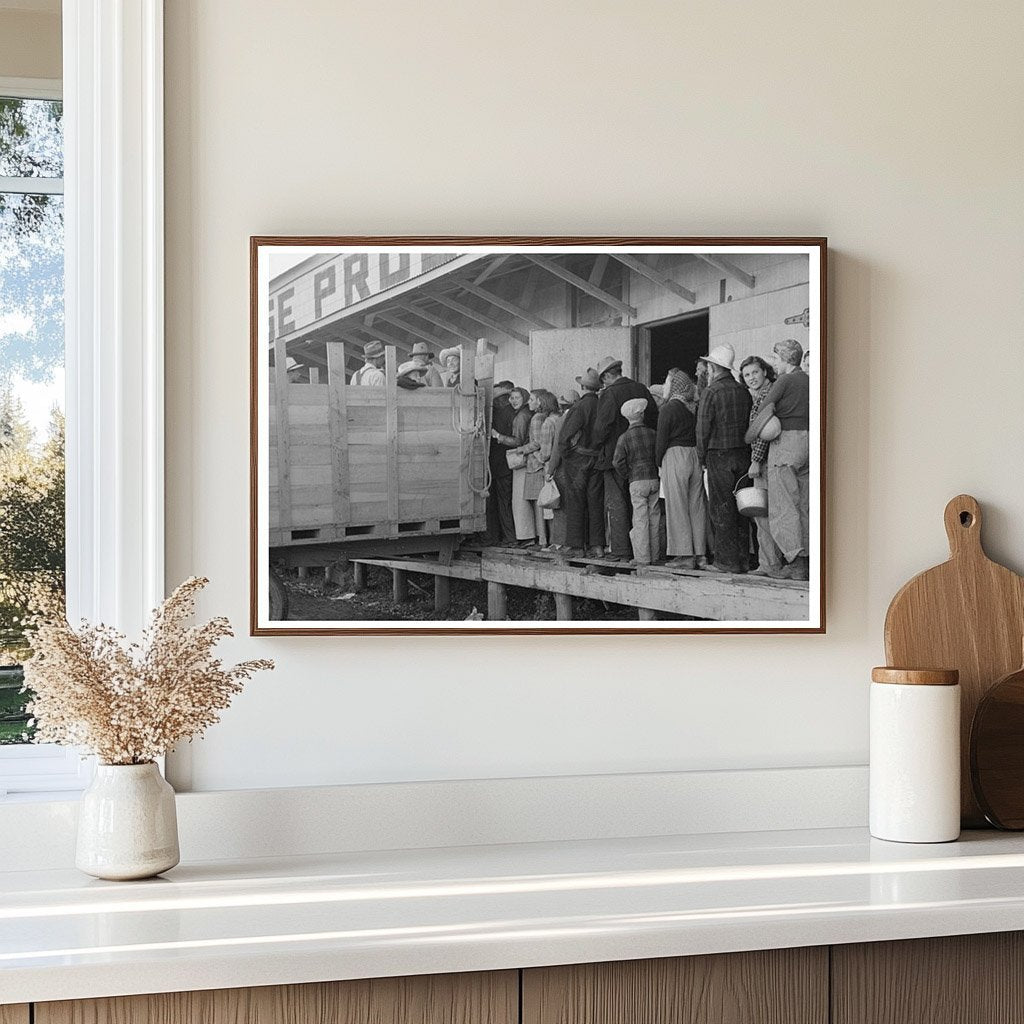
(966, 519)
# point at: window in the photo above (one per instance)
(32, 531)
(113, 330)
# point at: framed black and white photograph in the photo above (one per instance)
(537, 435)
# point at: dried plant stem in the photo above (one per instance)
(130, 703)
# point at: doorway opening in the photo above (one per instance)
(677, 343)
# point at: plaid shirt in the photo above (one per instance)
(634, 455)
(722, 416)
(759, 449)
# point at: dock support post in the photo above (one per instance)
(303, 572)
(358, 576)
(399, 585)
(497, 601)
(563, 607)
(646, 614)
(442, 592)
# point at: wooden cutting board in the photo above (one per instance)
(967, 614)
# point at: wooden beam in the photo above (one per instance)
(391, 430)
(533, 276)
(437, 321)
(491, 268)
(597, 271)
(337, 423)
(583, 285)
(442, 593)
(459, 570)
(646, 270)
(563, 607)
(727, 267)
(399, 586)
(497, 602)
(508, 307)
(284, 476)
(473, 314)
(431, 339)
(719, 598)
(358, 576)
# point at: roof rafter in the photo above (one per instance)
(491, 268)
(508, 307)
(412, 329)
(598, 269)
(437, 321)
(473, 314)
(658, 278)
(583, 285)
(727, 267)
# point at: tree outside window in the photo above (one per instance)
(31, 386)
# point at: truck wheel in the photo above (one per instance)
(278, 599)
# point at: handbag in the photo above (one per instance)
(533, 484)
(515, 460)
(549, 496)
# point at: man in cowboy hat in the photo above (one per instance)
(451, 365)
(723, 415)
(422, 356)
(371, 374)
(609, 426)
(296, 372)
(580, 481)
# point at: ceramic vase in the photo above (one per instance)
(127, 825)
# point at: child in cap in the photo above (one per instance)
(635, 463)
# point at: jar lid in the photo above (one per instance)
(916, 676)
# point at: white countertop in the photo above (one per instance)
(227, 924)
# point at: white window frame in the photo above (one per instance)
(114, 334)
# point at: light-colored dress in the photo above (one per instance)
(522, 510)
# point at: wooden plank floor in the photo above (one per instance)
(652, 588)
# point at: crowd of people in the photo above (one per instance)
(419, 371)
(649, 475)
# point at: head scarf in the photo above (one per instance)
(681, 386)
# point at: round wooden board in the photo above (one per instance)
(997, 752)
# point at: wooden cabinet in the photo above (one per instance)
(967, 979)
(776, 986)
(482, 998)
(962, 979)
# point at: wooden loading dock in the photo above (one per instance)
(649, 589)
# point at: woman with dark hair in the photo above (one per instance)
(522, 512)
(682, 479)
(759, 376)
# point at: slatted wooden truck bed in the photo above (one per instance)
(375, 470)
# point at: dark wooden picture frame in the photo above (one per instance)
(313, 333)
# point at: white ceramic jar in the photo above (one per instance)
(127, 823)
(915, 755)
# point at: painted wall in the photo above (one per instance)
(892, 128)
(30, 43)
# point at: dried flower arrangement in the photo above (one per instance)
(130, 703)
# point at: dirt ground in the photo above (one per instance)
(313, 599)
